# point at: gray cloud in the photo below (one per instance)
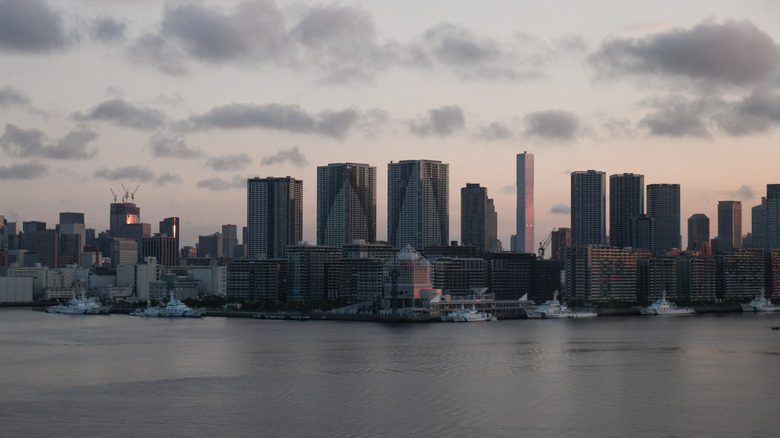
(13, 97)
(552, 125)
(218, 184)
(132, 173)
(121, 113)
(757, 113)
(167, 178)
(292, 156)
(33, 143)
(677, 117)
(494, 131)
(443, 121)
(560, 209)
(744, 193)
(290, 118)
(229, 162)
(509, 189)
(107, 30)
(31, 26)
(165, 145)
(732, 53)
(31, 170)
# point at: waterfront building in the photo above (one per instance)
(274, 216)
(361, 268)
(656, 276)
(313, 272)
(696, 278)
(407, 277)
(626, 202)
(477, 221)
(547, 279)
(699, 234)
(772, 272)
(740, 274)
(588, 208)
(510, 275)
(729, 225)
(524, 240)
(418, 203)
(459, 276)
(642, 232)
(602, 275)
(254, 280)
(346, 203)
(212, 280)
(663, 206)
(559, 239)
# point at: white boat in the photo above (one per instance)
(174, 308)
(80, 306)
(554, 309)
(759, 304)
(662, 306)
(463, 315)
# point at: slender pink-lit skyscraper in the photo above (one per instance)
(524, 240)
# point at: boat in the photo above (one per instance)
(662, 306)
(554, 309)
(80, 306)
(759, 304)
(174, 308)
(471, 315)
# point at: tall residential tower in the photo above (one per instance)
(663, 206)
(418, 203)
(346, 204)
(274, 216)
(626, 202)
(588, 208)
(524, 240)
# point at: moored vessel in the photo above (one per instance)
(80, 306)
(554, 309)
(759, 304)
(662, 306)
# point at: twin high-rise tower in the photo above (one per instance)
(346, 203)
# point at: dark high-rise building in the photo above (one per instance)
(346, 203)
(229, 240)
(122, 214)
(30, 232)
(210, 246)
(559, 240)
(49, 248)
(663, 206)
(274, 216)
(588, 208)
(418, 203)
(766, 220)
(642, 232)
(71, 218)
(626, 202)
(476, 218)
(699, 234)
(170, 227)
(524, 240)
(492, 227)
(729, 225)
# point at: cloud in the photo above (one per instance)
(229, 162)
(744, 193)
(494, 131)
(121, 113)
(443, 121)
(508, 190)
(107, 30)
(31, 26)
(552, 125)
(132, 173)
(218, 184)
(292, 156)
(33, 143)
(13, 97)
(290, 118)
(165, 145)
(734, 53)
(30, 170)
(677, 117)
(757, 113)
(167, 178)
(562, 209)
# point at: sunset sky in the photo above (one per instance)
(186, 100)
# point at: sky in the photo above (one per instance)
(180, 102)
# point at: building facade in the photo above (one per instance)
(524, 237)
(346, 203)
(274, 216)
(729, 225)
(588, 208)
(476, 220)
(418, 203)
(663, 206)
(626, 202)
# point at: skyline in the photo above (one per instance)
(129, 93)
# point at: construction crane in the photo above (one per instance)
(544, 244)
(132, 195)
(112, 192)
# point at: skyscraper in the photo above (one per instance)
(170, 227)
(626, 202)
(773, 216)
(729, 225)
(124, 213)
(418, 203)
(663, 206)
(588, 208)
(699, 234)
(229, 240)
(346, 203)
(524, 240)
(274, 215)
(477, 217)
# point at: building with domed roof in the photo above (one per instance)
(407, 283)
